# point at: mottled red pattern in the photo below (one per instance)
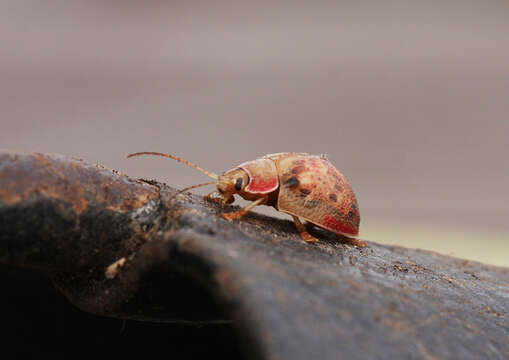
(261, 184)
(335, 225)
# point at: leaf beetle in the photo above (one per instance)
(304, 186)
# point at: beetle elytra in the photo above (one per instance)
(301, 185)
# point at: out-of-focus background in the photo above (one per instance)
(410, 99)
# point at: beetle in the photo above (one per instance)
(299, 184)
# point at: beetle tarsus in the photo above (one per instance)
(214, 197)
(309, 238)
(229, 216)
(352, 241)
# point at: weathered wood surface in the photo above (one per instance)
(119, 247)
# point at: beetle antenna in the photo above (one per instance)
(209, 173)
(191, 187)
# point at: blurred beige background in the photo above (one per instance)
(410, 99)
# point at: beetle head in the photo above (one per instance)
(232, 182)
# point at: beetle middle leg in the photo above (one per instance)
(307, 237)
(243, 211)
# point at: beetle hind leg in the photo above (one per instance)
(351, 241)
(307, 237)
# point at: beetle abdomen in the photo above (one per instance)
(312, 188)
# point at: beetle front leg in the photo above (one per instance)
(214, 197)
(243, 211)
(217, 198)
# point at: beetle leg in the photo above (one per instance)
(217, 198)
(351, 241)
(214, 197)
(243, 211)
(307, 237)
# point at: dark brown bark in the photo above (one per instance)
(119, 247)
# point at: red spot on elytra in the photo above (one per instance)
(335, 225)
(260, 184)
(298, 169)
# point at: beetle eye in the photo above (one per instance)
(238, 184)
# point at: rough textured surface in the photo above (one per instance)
(118, 247)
